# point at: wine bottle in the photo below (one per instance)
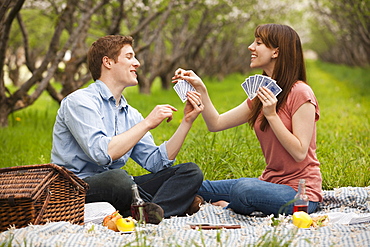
(301, 199)
(137, 206)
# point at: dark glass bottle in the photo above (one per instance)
(137, 206)
(301, 199)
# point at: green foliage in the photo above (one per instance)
(342, 131)
(39, 26)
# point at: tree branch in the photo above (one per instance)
(5, 26)
(30, 65)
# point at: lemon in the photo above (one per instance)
(125, 224)
(302, 220)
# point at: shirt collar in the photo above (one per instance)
(107, 95)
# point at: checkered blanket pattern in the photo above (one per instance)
(177, 232)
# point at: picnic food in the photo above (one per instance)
(302, 219)
(110, 221)
(321, 220)
(117, 223)
(125, 224)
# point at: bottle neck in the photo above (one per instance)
(136, 199)
(135, 192)
(302, 188)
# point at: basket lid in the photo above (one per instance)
(26, 181)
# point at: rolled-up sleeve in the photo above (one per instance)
(86, 122)
(151, 157)
(146, 153)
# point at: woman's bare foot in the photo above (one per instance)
(221, 203)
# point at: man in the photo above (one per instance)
(96, 131)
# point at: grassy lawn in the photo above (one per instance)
(342, 140)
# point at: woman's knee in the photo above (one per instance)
(244, 186)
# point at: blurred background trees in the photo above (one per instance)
(340, 31)
(43, 43)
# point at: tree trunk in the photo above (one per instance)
(5, 110)
(144, 84)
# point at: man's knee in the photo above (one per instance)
(192, 169)
(116, 178)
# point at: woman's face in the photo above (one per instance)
(262, 57)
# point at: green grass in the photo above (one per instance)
(342, 139)
(344, 127)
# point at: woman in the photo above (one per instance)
(285, 127)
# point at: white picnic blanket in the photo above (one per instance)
(348, 209)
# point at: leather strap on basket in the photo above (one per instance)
(46, 202)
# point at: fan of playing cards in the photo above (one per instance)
(252, 83)
(182, 87)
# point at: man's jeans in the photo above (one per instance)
(173, 188)
(247, 195)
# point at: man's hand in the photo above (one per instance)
(158, 114)
(122, 143)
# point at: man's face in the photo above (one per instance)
(124, 70)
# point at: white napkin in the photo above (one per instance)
(95, 212)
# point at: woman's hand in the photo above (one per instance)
(193, 107)
(268, 100)
(297, 141)
(191, 77)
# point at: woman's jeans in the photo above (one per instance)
(247, 195)
(173, 188)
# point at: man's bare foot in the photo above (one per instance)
(221, 203)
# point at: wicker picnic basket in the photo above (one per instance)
(37, 194)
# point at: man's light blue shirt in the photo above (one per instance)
(86, 122)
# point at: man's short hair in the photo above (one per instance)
(109, 46)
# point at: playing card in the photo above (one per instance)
(245, 87)
(252, 87)
(275, 89)
(264, 81)
(258, 79)
(249, 85)
(254, 82)
(182, 87)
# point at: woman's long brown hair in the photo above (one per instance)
(289, 66)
